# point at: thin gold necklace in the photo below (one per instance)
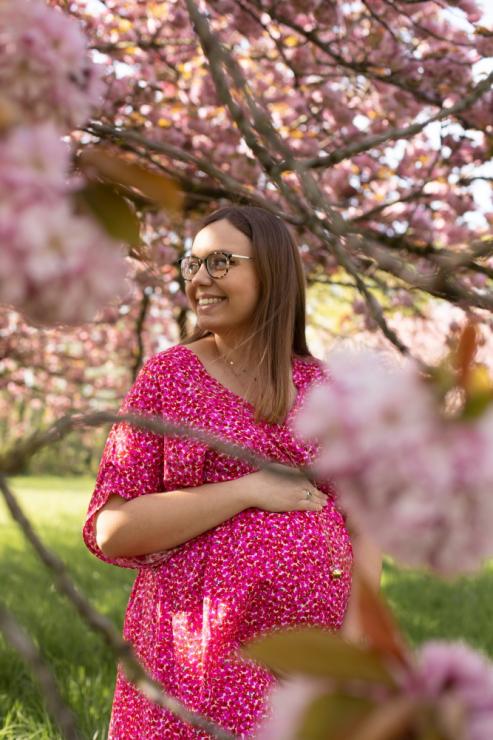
(231, 365)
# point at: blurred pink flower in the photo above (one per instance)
(365, 393)
(471, 8)
(484, 43)
(417, 483)
(57, 267)
(45, 69)
(287, 703)
(460, 673)
(34, 165)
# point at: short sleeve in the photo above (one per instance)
(132, 460)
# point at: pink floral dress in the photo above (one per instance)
(191, 607)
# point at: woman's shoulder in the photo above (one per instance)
(311, 367)
(168, 361)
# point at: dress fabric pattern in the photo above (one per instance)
(193, 606)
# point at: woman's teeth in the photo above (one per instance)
(208, 301)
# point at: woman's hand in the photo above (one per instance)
(270, 492)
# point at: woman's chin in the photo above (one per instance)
(207, 324)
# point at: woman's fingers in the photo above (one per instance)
(315, 501)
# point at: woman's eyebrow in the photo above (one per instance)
(226, 251)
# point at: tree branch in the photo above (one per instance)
(404, 132)
(332, 223)
(231, 185)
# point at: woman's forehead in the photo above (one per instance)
(221, 235)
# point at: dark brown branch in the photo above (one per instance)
(144, 44)
(442, 283)
(230, 184)
(12, 460)
(139, 328)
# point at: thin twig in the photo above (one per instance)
(13, 459)
(404, 132)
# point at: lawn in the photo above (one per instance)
(425, 607)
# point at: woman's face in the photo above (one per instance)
(238, 290)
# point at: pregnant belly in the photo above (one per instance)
(292, 568)
(302, 539)
(260, 571)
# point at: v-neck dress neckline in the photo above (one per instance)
(236, 396)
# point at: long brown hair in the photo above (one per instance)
(279, 317)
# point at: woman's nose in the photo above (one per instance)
(202, 277)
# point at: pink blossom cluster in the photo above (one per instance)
(459, 677)
(418, 483)
(454, 679)
(34, 166)
(45, 70)
(56, 266)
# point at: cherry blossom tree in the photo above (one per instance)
(367, 126)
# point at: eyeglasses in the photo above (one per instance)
(217, 264)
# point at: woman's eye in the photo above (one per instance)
(220, 263)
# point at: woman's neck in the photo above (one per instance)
(231, 349)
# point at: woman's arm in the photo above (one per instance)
(161, 521)
(367, 561)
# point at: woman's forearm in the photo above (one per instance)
(160, 521)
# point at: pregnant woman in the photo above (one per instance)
(225, 552)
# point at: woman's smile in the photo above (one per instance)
(209, 303)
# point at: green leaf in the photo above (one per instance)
(112, 211)
(318, 652)
(476, 405)
(333, 716)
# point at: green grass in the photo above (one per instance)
(425, 606)
(83, 665)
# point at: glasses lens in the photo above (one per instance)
(189, 266)
(217, 264)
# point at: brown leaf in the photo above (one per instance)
(466, 350)
(113, 167)
(378, 623)
(112, 211)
